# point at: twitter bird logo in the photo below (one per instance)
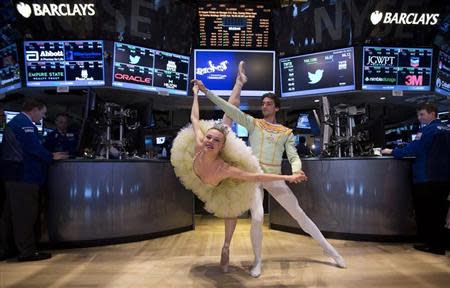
(315, 77)
(134, 59)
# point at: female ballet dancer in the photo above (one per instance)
(219, 167)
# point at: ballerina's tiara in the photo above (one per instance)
(221, 127)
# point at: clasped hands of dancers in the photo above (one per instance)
(207, 151)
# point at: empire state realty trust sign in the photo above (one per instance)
(52, 9)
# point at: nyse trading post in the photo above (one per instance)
(64, 63)
(9, 69)
(171, 72)
(389, 68)
(133, 67)
(323, 72)
(147, 69)
(443, 74)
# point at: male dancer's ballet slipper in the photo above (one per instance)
(225, 258)
(336, 257)
(255, 271)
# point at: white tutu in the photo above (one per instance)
(231, 197)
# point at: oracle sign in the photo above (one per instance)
(137, 79)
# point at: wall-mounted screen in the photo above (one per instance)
(243, 25)
(64, 63)
(323, 72)
(9, 69)
(393, 68)
(147, 69)
(443, 74)
(218, 69)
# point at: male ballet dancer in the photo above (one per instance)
(268, 141)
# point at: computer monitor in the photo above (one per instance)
(1, 137)
(303, 121)
(11, 114)
(240, 130)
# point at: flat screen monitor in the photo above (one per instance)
(1, 137)
(395, 68)
(9, 69)
(443, 74)
(11, 114)
(303, 121)
(234, 25)
(160, 140)
(146, 69)
(240, 130)
(218, 69)
(64, 63)
(323, 72)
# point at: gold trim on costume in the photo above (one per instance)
(271, 127)
(267, 164)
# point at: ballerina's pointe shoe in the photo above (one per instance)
(256, 269)
(225, 258)
(337, 258)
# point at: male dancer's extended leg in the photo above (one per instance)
(284, 195)
(256, 233)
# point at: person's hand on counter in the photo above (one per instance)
(60, 155)
(386, 151)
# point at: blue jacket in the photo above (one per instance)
(438, 166)
(420, 149)
(34, 157)
(57, 142)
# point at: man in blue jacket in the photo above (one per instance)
(24, 162)
(428, 201)
(62, 139)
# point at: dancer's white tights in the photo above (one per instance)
(284, 195)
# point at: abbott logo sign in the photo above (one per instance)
(403, 18)
(27, 10)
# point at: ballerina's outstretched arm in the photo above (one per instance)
(235, 97)
(195, 118)
(236, 173)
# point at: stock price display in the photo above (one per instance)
(323, 72)
(143, 68)
(443, 74)
(64, 63)
(9, 69)
(241, 26)
(389, 68)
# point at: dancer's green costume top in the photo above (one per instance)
(268, 141)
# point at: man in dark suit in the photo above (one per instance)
(429, 196)
(302, 149)
(25, 160)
